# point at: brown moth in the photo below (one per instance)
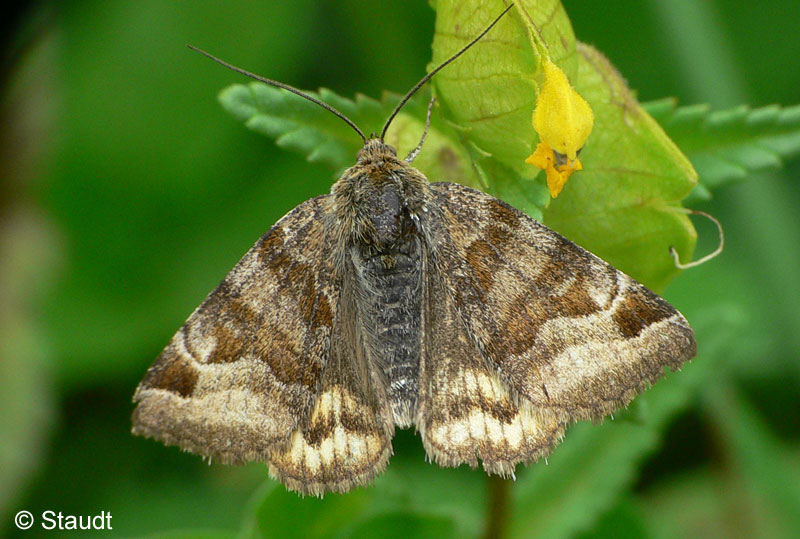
(394, 302)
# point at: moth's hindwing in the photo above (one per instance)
(568, 332)
(466, 410)
(346, 440)
(239, 376)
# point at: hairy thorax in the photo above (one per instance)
(385, 256)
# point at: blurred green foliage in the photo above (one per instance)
(128, 193)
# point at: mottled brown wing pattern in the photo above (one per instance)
(346, 439)
(245, 368)
(567, 331)
(466, 411)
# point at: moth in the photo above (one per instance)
(394, 302)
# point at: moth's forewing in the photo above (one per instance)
(244, 369)
(567, 331)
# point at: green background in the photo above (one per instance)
(127, 193)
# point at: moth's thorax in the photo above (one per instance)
(377, 199)
(377, 203)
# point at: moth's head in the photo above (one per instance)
(376, 154)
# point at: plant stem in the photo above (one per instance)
(498, 507)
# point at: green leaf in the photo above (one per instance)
(280, 513)
(623, 521)
(503, 183)
(302, 126)
(403, 525)
(730, 145)
(490, 92)
(375, 510)
(624, 205)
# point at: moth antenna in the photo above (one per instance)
(413, 153)
(284, 87)
(709, 256)
(438, 68)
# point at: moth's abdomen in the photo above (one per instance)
(390, 298)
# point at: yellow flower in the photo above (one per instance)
(557, 175)
(563, 120)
